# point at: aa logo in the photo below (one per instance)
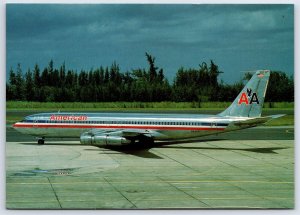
(248, 98)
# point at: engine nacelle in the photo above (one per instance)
(104, 140)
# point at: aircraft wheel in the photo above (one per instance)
(41, 141)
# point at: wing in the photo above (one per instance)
(118, 137)
(127, 133)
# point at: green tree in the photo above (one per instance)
(281, 87)
(45, 78)
(11, 86)
(29, 90)
(51, 80)
(12, 77)
(36, 74)
(62, 75)
(106, 76)
(20, 94)
(152, 67)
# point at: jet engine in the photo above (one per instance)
(103, 140)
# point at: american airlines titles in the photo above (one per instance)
(68, 118)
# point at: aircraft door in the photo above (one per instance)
(213, 124)
(35, 122)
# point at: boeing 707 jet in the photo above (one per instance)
(111, 129)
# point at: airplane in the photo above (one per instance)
(117, 129)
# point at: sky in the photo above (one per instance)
(237, 38)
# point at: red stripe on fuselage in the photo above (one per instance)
(114, 126)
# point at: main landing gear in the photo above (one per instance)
(41, 141)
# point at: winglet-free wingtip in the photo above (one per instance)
(276, 116)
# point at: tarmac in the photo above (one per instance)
(252, 168)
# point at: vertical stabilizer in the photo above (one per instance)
(250, 101)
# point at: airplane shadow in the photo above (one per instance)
(269, 150)
(168, 144)
(142, 150)
(135, 150)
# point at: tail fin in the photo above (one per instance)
(250, 101)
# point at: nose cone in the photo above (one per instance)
(15, 125)
(18, 127)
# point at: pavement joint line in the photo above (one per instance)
(77, 152)
(254, 194)
(239, 198)
(277, 143)
(217, 160)
(244, 154)
(265, 160)
(54, 193)
(48, 201)
(245, 190)
(107, 181)
(111, 155)
(159, 152)
(277, 189)
(229, 164)
(177, 188)
(156, 181)
(166, 199)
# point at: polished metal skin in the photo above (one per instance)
(125, 128)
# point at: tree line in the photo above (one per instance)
(108, 84)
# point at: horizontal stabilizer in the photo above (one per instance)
(256, 121)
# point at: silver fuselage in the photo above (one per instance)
(168, 126)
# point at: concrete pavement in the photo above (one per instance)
(197, 174)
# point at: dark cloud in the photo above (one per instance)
(237, 37)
